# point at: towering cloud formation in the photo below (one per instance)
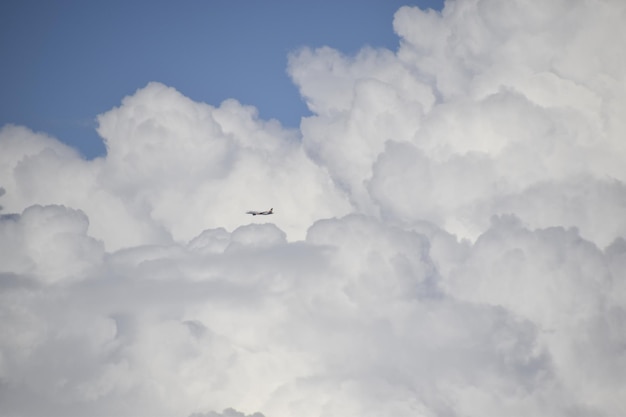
(449, 236)
(173, 168)
(485, 108)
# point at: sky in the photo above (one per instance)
(449, 197)
(70, 60)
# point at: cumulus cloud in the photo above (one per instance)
(229, 412)
(496, 106)
(173, 167)
(448, 237)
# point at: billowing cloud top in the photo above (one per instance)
(448, 237)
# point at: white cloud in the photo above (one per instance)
(49, 243)
(229, 412)
(173, 168)
(511, 113)
(448, 236)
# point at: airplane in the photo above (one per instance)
(261, 213)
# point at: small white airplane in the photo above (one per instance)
(261, 213)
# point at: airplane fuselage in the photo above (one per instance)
(261, 213)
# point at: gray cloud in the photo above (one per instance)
(229, 412)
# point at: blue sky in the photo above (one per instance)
(67, 61)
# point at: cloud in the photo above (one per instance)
(448, 237)
(492, 109)
(229, 412)
(49, 243)
(173, 168)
